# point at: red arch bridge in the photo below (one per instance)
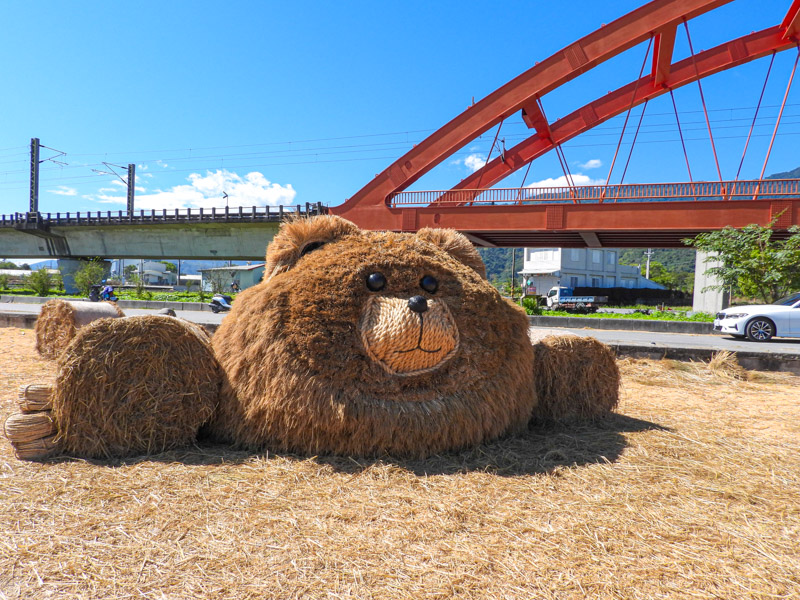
(623, 215)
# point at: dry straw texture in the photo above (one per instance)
(298, 377)
(134, 385)
(60, 320)
(576, 377)
(35, 397)
(27, 427)
(691, 491)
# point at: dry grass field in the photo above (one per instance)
(691, 491)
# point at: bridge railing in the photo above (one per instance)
(767, 189)
(240, 214)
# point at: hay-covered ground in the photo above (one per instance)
(692, 491)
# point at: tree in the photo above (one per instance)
(171, 267)
(91, 273)
(7, 264)
(40, 282)
(4, 282)
(752, 262)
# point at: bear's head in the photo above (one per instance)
(362, 342)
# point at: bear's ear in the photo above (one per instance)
(456, 245)
(301, 236)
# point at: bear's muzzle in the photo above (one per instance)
(405, 339)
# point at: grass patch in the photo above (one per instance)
(656, 315)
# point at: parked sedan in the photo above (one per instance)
(760, 322)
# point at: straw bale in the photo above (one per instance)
(26, 427)
(37, 449)
(35, 397)
(134, 385)
(576, 377)
(298, 374)
(59, 320)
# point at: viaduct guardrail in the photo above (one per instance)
(764, 189)
(254, 214)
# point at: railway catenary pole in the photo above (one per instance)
(34, 198)
(131, 185)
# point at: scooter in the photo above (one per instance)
(220, 303)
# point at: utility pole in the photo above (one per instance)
(34, 204)
(513, 271)
(131, 183)
(648, 254)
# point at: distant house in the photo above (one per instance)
(544, 268)
(221, 278)
(155, 273)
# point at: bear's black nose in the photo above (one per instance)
(419, 304)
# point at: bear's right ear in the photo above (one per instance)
(301, 236)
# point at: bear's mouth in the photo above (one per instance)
(419, 340)
(405, 342)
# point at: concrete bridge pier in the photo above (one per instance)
(68, 268)
(708, 301)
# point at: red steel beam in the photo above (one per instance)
(791, 22)
(605, 220)
(662, 55)
(720, 58)
(652, 218)
(563, 66)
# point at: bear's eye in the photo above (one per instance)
(376, 282)
(311, 247)
(429, 284)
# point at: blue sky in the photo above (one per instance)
(287, 102)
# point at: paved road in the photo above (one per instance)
(686, 340)
(196, 316)
(636, 338)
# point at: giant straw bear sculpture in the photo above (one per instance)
(355, 343)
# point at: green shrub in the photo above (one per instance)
(91, 273)
(40, 281)
(4, 282)
(531, 305)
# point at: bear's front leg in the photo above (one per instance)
(137, 385)
(575, 377)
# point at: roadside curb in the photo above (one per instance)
(621, 324)
(28, 321)
(154, 304)
(752, 361)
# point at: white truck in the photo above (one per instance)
(562, 298)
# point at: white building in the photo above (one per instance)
(579, 267)
(243, 276)
(155, 273)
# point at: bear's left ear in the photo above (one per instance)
(301, 236)
(456, 245)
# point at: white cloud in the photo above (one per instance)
(104, 199)
(205, 191)
(594, 163)
(119, 183)
(474, 162)
(162, 164)
(63, 190)
(561, 181)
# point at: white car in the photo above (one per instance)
(760, 322)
